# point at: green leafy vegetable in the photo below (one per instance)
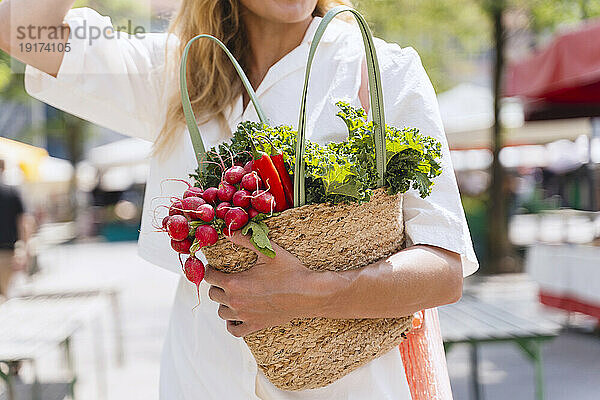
(259, 237)
(341, 172)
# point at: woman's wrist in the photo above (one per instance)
(413, 279)
(326, 288)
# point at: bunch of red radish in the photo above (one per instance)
(196, 218)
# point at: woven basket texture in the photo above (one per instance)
(315, 352)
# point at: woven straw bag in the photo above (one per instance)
(314, 352)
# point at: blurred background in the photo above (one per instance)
(518, 84)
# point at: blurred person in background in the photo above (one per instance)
(12, 234)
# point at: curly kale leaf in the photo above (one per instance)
(338, 172)
(412, 159)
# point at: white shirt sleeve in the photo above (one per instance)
(115, 80)
(410, 100)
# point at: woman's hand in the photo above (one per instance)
(273, 292)
(280, 289)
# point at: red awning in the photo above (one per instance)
(563, 80)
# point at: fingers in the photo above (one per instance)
(240, 330)
(218, 295)
(278, 249)
(216, 278)
(243, 241)
(226, 313)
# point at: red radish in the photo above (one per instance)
(164, 222)
(241, 198)
(236, 218)
(194, 272)
(183, 246)
(176, 208)
(210, 195)
(206, 212)
(192, 191)
(234, 174)
(263, 201)
(252, 213)
(190, 205)
(251, 181)
(177, 227)
(248, 167)
(226, 191)
(206, 235)
(222, 209)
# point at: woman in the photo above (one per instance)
(129, 84)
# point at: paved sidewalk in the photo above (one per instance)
(571, 366)
(571, 361)
(147, 293)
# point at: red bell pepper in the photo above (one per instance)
(263, 165)
(284, 175)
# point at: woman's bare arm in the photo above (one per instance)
(35, 21)
(416, 278)
(280, 289)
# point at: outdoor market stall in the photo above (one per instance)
(562, 81)
(467, 114)
(568, 275)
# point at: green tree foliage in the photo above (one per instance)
(9, 86)
(447, 34)
(547, 15)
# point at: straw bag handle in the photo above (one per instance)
(190, 118)
(376, 96)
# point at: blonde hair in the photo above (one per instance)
(213, 83)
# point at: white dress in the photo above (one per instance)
(119, 84)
